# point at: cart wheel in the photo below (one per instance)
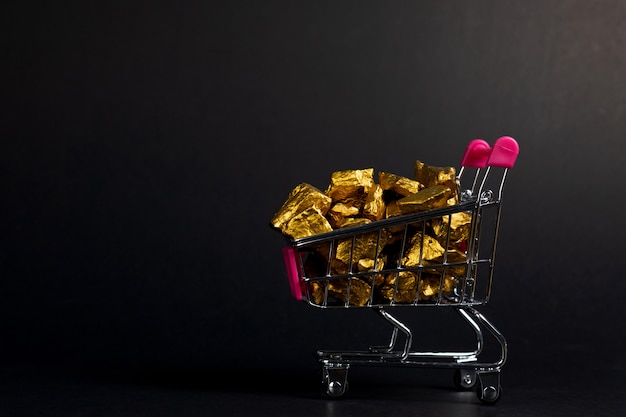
(464, 379)
(334, 382)
(487, 393)
(335, 389)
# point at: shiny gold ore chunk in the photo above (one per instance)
(366, 245)
(339, 213)
(400, 185)
(374, 205)
(430, 176)
(429, 287)
(354, 221)
(350, 185)
(317, 291)
(405, 290)
(354, 290)
(458, 224)
(302, 197)
(422, 248)
(427, 199)
(458, 259)
(306, 223)
(369, 265)
(393, 209)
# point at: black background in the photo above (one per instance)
(146, 146)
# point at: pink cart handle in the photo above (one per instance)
(504, 152)
(476, 154)
(289, 255)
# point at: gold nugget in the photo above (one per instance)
(393, 209)
(422, 248)
(459, 226)
(302, 197)
(430, 175)
(354, 221)
(374, 206)
(317, 291)
(405, 289)
(429, 287)
(457, 258)
(340, 212)
(350, 185)
(306, 223)
(365, 246)
(357, 295)
(429, 198)
(460, 259)
(369, 265)
(400, 185)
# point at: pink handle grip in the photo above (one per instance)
(289, 255)
(504, 152)
(476, 154)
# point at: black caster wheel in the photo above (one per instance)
(464, 379)
(334, 389)
(488, 394)
(334, 382)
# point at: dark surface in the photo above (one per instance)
(146, 145)
(573, 389)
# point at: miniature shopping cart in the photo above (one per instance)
(459, 278)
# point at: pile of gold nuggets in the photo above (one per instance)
(419, 264)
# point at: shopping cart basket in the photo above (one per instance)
(459, 278)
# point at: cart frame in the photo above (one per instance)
(481, 197)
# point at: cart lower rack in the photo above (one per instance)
(438, 258)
